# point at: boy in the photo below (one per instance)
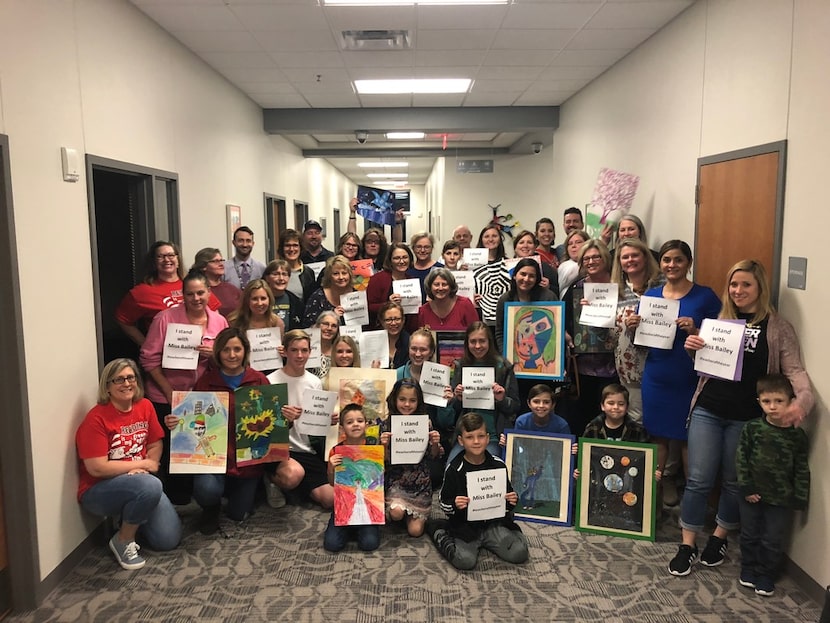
(353, 425)
(774, 479)
(541, 418)
(459, 540)
(451, 254)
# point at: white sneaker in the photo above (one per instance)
(273, 494)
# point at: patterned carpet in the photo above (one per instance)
(275, 569)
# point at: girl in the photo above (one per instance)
(329, 324)
(408, 487)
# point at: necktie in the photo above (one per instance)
(244, 275)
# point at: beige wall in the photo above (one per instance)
(723, 76)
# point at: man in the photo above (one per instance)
(313, 249)
(242, 268)
(463, 236)
(572, 222)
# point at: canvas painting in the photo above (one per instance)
(540, 466)
(449, 347)
(358, 486)
(612, 199)
(534, 339)
(261, 429)
(376, 205)
(199, 443)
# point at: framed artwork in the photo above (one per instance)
(534, 339)
(449, 347)
(234, 214)
(540, 466)
(616, 491)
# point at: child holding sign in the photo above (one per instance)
(408, 486)
(459, 540)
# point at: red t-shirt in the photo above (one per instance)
(145, 300)
(108, 432)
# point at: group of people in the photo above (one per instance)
(640, 393)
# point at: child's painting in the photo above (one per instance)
(534, 339)
(261, 429)
(199, 443)
(376, 205)
(362, 271)
(612, 199)
(449, 347)
(358, 486)
(616, 489)
(540, 467)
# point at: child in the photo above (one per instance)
(408, 488)
(774, 479)
(451, 254)
(541, 417)
(353, 425)
(459, 540)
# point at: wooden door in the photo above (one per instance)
(739, 213)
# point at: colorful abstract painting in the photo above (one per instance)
(534, 339)
(362, 271)
(199, 443)
(358, 486)
(261, 429)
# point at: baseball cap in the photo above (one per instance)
(311, 223)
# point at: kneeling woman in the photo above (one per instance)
(119, 446)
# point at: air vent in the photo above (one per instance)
(376, 40)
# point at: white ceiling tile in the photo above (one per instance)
(434, 58)
(451, 71)
(491, 98)
(297, 41)
(609, 39)
(253, 74)
(221, 41)
(326, 76)
(331, 100)
(450, 17)
(519, 58)
(401, 58)
(192, 17)
(543, 99)
(454, 39)
(380, 73)
(267, 88)
(638, 15)
(391, 101)
(592, 58)
(550, 14)
(371, 18)
(223, 60)
(557, 85)
(518, 73)
(569, 72)
(275, 100)
(427, 99)
(257, 17)
(308, 60)
(484, 86)
(532, 39)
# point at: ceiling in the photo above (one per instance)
(526, 58)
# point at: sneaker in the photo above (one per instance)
(209, 521)
(714, 552)
(126, 553)
(747, 579)
(764, 587)
(273, 494)
(682, 562)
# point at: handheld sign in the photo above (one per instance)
(356, 308)
(657, 327)
(318, 405)
(180, 344)
(374, 346)
(486, 490)
(466, 282)
(602, 311)
(478, 388)
(410, 291)
(434, 378)
(314, 359)
(476, 257)
(264, 344)
(353, 331)
(722, 355)
(317, 267)
(410, 435)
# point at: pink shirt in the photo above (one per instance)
(461, 316)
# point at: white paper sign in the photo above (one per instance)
(353, 331)
(657, 327)
(510, 263)
(465, 279)
(410, 291)
(318, 405)
(317, 267)
(434, 378)
(478, 388)
(723, 352)
(314, 359)
(410, 435)
(180, 344)
(264, 353)
(476, 257)
(356, 308)
(602, 311)
(374, 346)
(486, 489)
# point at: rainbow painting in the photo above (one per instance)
(358, 486)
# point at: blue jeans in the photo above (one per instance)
(493, 447)
(713, 443)
(209, 488)
(336, 537)
(137, 499)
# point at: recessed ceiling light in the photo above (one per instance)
(388, 175)
(406, 2)
(382, 165)
(412, 85)
(404, 136)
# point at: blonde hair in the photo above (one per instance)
(241, 316)
(765, 308)
(336, 260)
(110, 371)
(652, 269)
(349, 341)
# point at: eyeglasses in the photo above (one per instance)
(422, 247)
(400, 260)
(329, 325)
(592, 258)
(278, 273)
(120, 380)
(393, 319)
(371, 241)
(167, 256)
(216, 261)
(291, 245)
(351, 245)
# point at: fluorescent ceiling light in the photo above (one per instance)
(412, 85)
(405, 136)
(388, 175)
(382, 165)
(406, 2)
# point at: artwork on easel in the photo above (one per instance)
(199, 443)
(261, 429)
(358, 486)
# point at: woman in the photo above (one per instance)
(396, 267)
(349, 246)
(375, 247)
(525, 244)
(444, 309)
(302, 281)
(337, 281)
(480, 352)
(594, 346)
(287, 306)
(546, 241)
(229, 371)
(345, 353)
(634, 272)
(162, 382)
(669, 378)
(720, 409)
(119, 446)
(526, 287)
(391, 319)
(256, 310)
(209, 262)
(328, 322)
(568, 271)
(492, 280)
(631, 226)
(422, 245)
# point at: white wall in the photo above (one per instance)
(723, 76)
